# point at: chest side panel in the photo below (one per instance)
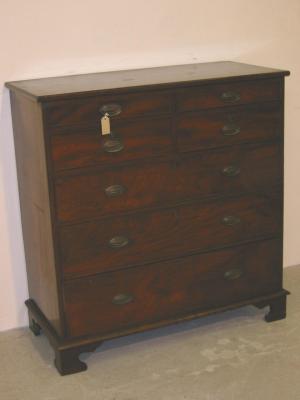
(35, 207)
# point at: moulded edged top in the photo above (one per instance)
(136, 79)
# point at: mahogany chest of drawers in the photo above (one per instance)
(175, 214)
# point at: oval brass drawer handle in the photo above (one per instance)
(122, 298)
(232, 274)
(231, 220)
(231, 170)
(118, 242)
(230, 97)
(111, 109)
(231, 130)
(115, 190)
(113, 145)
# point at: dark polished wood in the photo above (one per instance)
(171, 288)
(227, 94)
(227, 127)
(67, 360)
(141, 139)
(85, 147)
(81, 195)
(141, 79)
(159, 235)
(35, 207)
(87, 111)
(67, 351)
(35, 328)
(89, 343)
(175, 215)
(277, 308)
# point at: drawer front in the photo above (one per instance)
(120, 189)
(234, 170)
(217, 128)
(227, 94)
(135, 140)
(87, 112)
(123, 299)
(114, 243)
(117, 189)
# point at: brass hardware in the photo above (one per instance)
(111, 109)
(113, 145)
(231, 220)
(118, 242)
(231, 129)
(231, 170)
(232, 274)
(122, 298)
(115, 190)
(230, 97)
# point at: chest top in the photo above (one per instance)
(141, 79)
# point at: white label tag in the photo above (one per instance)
(105, 124)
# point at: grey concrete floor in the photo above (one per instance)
(234, 355)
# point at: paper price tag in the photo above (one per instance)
(105, 124)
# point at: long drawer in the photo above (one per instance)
(86, 195)
(123, 299)
(114, 243)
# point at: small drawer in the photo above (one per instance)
(120, 242)
(88, 111)
(225, 127)
(83, 196)
(134, 140)
(126, 299)
(228, 94)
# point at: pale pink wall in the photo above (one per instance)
(44, 38)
